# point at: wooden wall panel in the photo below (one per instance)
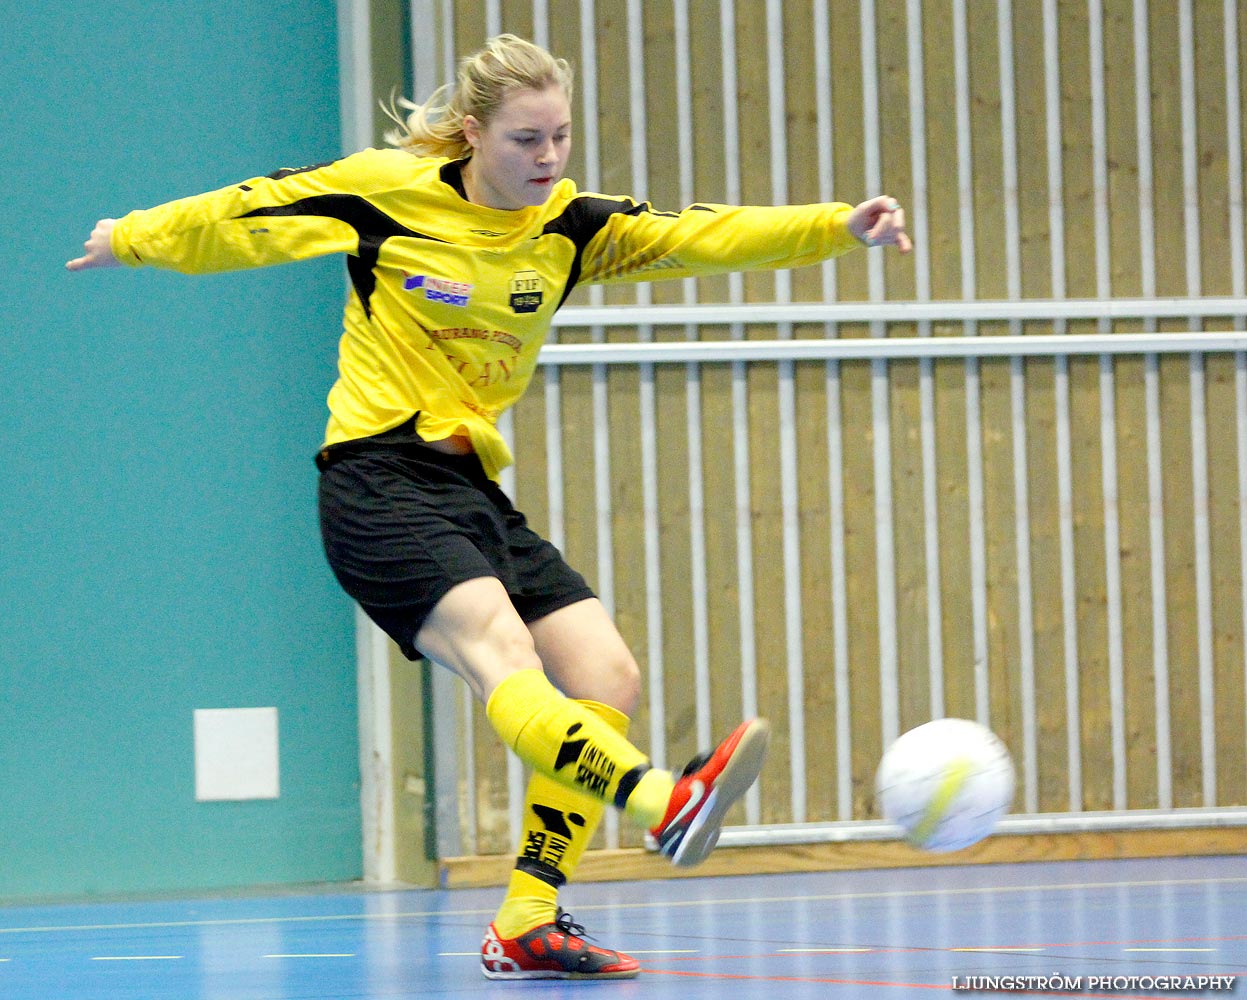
(1225, 507)
(861, 583)
(1135, 561)
(913, 653)
(950, 276)
(1047, 583)
(818, 637)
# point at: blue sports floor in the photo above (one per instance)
(872, 934)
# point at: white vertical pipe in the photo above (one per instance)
(601, 421)
(1160, 613)
(1009, 151)
(744, 553)
(449, 56)
(1199, 442)
(646, 404)
(1143, 133)
(839, 595)
(555, 496)
(605, 517)
(885, 554)
(1190, 151)
(1234, 155)
(467, 742)
(1112, 567)
(1065, 489)
(376, 757)
(429, 79)
(372, 658)
(777, 126)
(823, 119)
(880, 396)
(506, 427)
(965, 157)
(447, 67)
(740, 405)
(354, 75)
(493, 18)
(425, 70)
(926, 368)
(601, 418)
(1017, 386)
(588, 89)
(1238, 274)
(1151, 386)
(1240, 396)
(1108, 418)
(787, 404)
(697, 557)
(696, 481)
(974, 431)
(835, 455)
(541, 23)
(1203, 579)
(516, 777)
(1099, 153)
(872, 170)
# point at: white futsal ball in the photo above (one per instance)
(945, 783)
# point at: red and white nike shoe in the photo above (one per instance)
(552, 951)
(710, 786)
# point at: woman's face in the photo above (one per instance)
(522, 152)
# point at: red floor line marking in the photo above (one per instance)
(793, 979)
(878, 982)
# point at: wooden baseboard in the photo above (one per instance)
(628, 864)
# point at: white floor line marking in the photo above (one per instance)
(340, 954)
(825, 951)
(663, 904)
(1169, 949)
(136, 958)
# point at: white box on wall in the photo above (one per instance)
(236, 754)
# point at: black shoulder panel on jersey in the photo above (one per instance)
(277, 175)
(372, 225)
(583, 219)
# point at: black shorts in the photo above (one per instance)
(403, 523)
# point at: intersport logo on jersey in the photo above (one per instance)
(451, 293)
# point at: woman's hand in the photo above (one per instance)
(99, 248)
(880, 222)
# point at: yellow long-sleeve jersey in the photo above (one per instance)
(451, 301)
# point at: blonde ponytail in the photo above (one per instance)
(506, 63)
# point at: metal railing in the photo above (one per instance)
(811, 741)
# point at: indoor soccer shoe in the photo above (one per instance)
(709, 787)
(552, 951)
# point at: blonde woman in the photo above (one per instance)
(461, 243)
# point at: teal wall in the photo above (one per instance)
(158, 541)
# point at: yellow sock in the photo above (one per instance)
(559, 824)
(568, 742)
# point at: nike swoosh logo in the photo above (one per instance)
(697, 792)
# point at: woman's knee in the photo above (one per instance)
(627, 681)
(475, 631)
